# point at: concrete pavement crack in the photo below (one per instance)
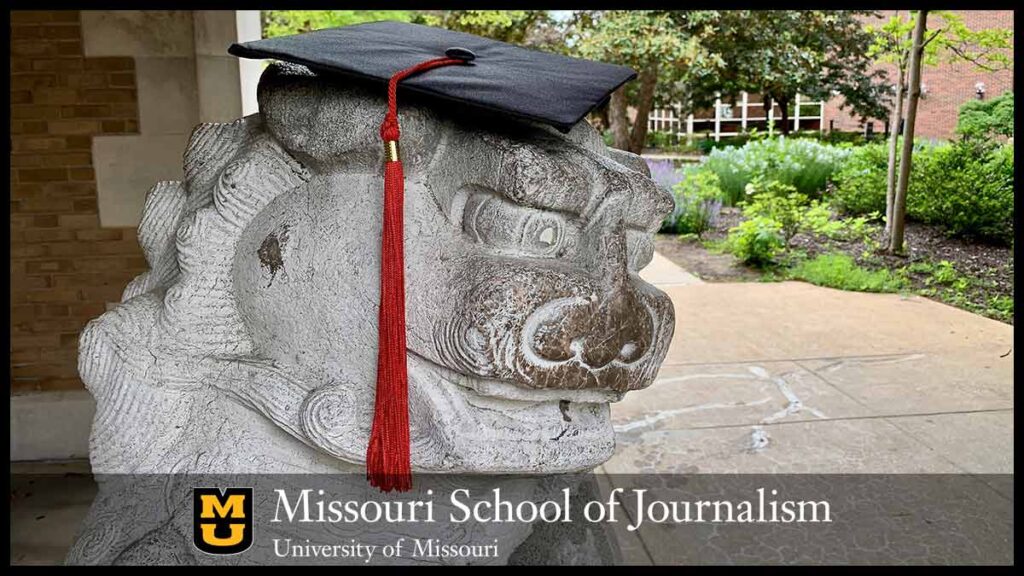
(847, 418)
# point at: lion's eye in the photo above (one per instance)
(541, 234)
(510, 228)
(547, 236)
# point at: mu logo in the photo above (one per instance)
(222, 519)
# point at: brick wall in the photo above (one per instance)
(948, 85)
(65, 268)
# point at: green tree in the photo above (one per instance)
(531, 28)
(954, 41)
(664, 47)
(285, 22)
(892, 46)
(782, 53)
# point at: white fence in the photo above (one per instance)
(725, 123)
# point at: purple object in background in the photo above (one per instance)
(699, 213)
(664, 172)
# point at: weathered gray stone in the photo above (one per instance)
(250, 346)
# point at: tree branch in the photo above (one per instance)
(933, 36)
(979, 60)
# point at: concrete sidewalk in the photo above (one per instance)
(793, 378)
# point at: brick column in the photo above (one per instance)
(64, 267)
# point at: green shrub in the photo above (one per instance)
(966, 187)
(818, 219)
(841, 271)
(804, 164)
(944, 273)
(796, 213)
(1001, 307)
(706, 145)
(836, 137)
(986, 119)
(859, 185)
(698, 203)
(761, 187)
(756, 241)
(778, 202)
(661, 140)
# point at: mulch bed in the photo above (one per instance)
(691, 255)
(990, 267)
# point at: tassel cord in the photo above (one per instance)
(388, 463)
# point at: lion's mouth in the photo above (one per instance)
(463, 422)
(484, 425)
(505, 390)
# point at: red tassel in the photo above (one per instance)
(388, 464)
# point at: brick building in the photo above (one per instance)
(946, 86)
(102, 104)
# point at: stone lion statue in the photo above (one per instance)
(250, 344)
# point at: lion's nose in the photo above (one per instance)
(596, 331)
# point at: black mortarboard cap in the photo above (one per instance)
(548, 88)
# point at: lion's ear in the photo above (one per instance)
(629, 160)
(337, 121)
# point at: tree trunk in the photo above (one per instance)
(645, 101)
(602, 116)
(899, 210)
(894, 139)
(784, 108)
(619, 119)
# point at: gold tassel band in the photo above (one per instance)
(391, 150)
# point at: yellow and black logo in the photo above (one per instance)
(222, 519)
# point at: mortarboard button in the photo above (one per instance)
(459, 53)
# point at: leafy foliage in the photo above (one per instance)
(965, 187)
(840, 271)
(944, 281)
(698, 203)
(986, 119)
(1001, 307)
(533, 28)
(804, 164)
(779, 202)
(756, 241)
(797, 214)
(988, 49)
(859, 185)
(703, 146)
(665, 47)
(285, 22)
(780, 54)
